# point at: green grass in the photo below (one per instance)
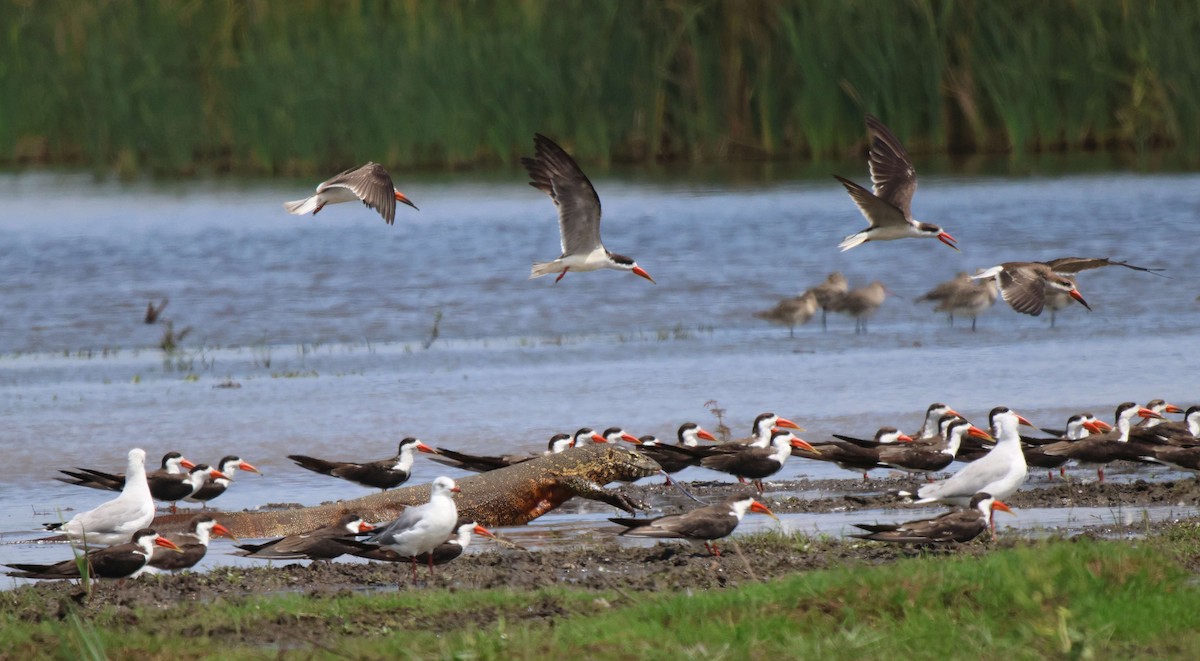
(1057, 599)
(308, 86)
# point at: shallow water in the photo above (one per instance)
(322, 321)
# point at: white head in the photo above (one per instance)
(230, 464)
(932, 415)
(740, 504)
(1005, 422)
(404, 454)
(136, 461)
(354, 524)
(1192, 418)
(690, 433)
(1075, 429)
(174, 463)
(616, 435)
(443, 487)
(891, 435)
(560, 442)
(203, 526)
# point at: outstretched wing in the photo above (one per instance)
(555, 173)
(877, 211)
(372, 184)
(892, 171)
(1070, 265)
(1023, 289)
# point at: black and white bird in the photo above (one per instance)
(705, 524)
(999, 473)
(168, 483)
(442, 553)
(420, 528)
(887, 207)
(115, 521)
(222, 477)
(117, 561)
(483, 463)
(1023, 285)
(755, 463)
(324, 543)
(555, 173)
(370, 184)
(193, 545)
(383, 474)
(958, 526)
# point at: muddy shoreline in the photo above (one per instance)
(598, 561)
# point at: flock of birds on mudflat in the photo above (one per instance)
(997, 464)
(433, 533)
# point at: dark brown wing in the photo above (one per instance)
(892, 172)
(1071, 265)
(1022, 288)
(707, 523)
(169, 560)
(555, 173)
(877, 211)
(372, 184)
(961, 526)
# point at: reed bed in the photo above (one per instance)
(310, 85)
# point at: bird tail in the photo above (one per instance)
(543, 268)
(630, 524)
(313, 464)
(301, 207)
(853, 241)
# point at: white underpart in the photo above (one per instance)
(420, 529)
(330, 195)
(115, 521)
(999, 473)
(197, 480)
(592, 261)
(762, 435)
(560, 445)
(405, 461)
(783, 448)
(463, 536)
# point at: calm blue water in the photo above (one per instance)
(322, 320)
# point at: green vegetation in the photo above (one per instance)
(1056, 599)
(312, 85)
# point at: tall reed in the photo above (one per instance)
(313, 85)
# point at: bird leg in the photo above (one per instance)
(823, 326)
(414, 568)
(430, 554)
(174, 509)
(1100, 473)
(1062, 470)
(759, 485)
(865, 478)
(560, 275)
(973, 324)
